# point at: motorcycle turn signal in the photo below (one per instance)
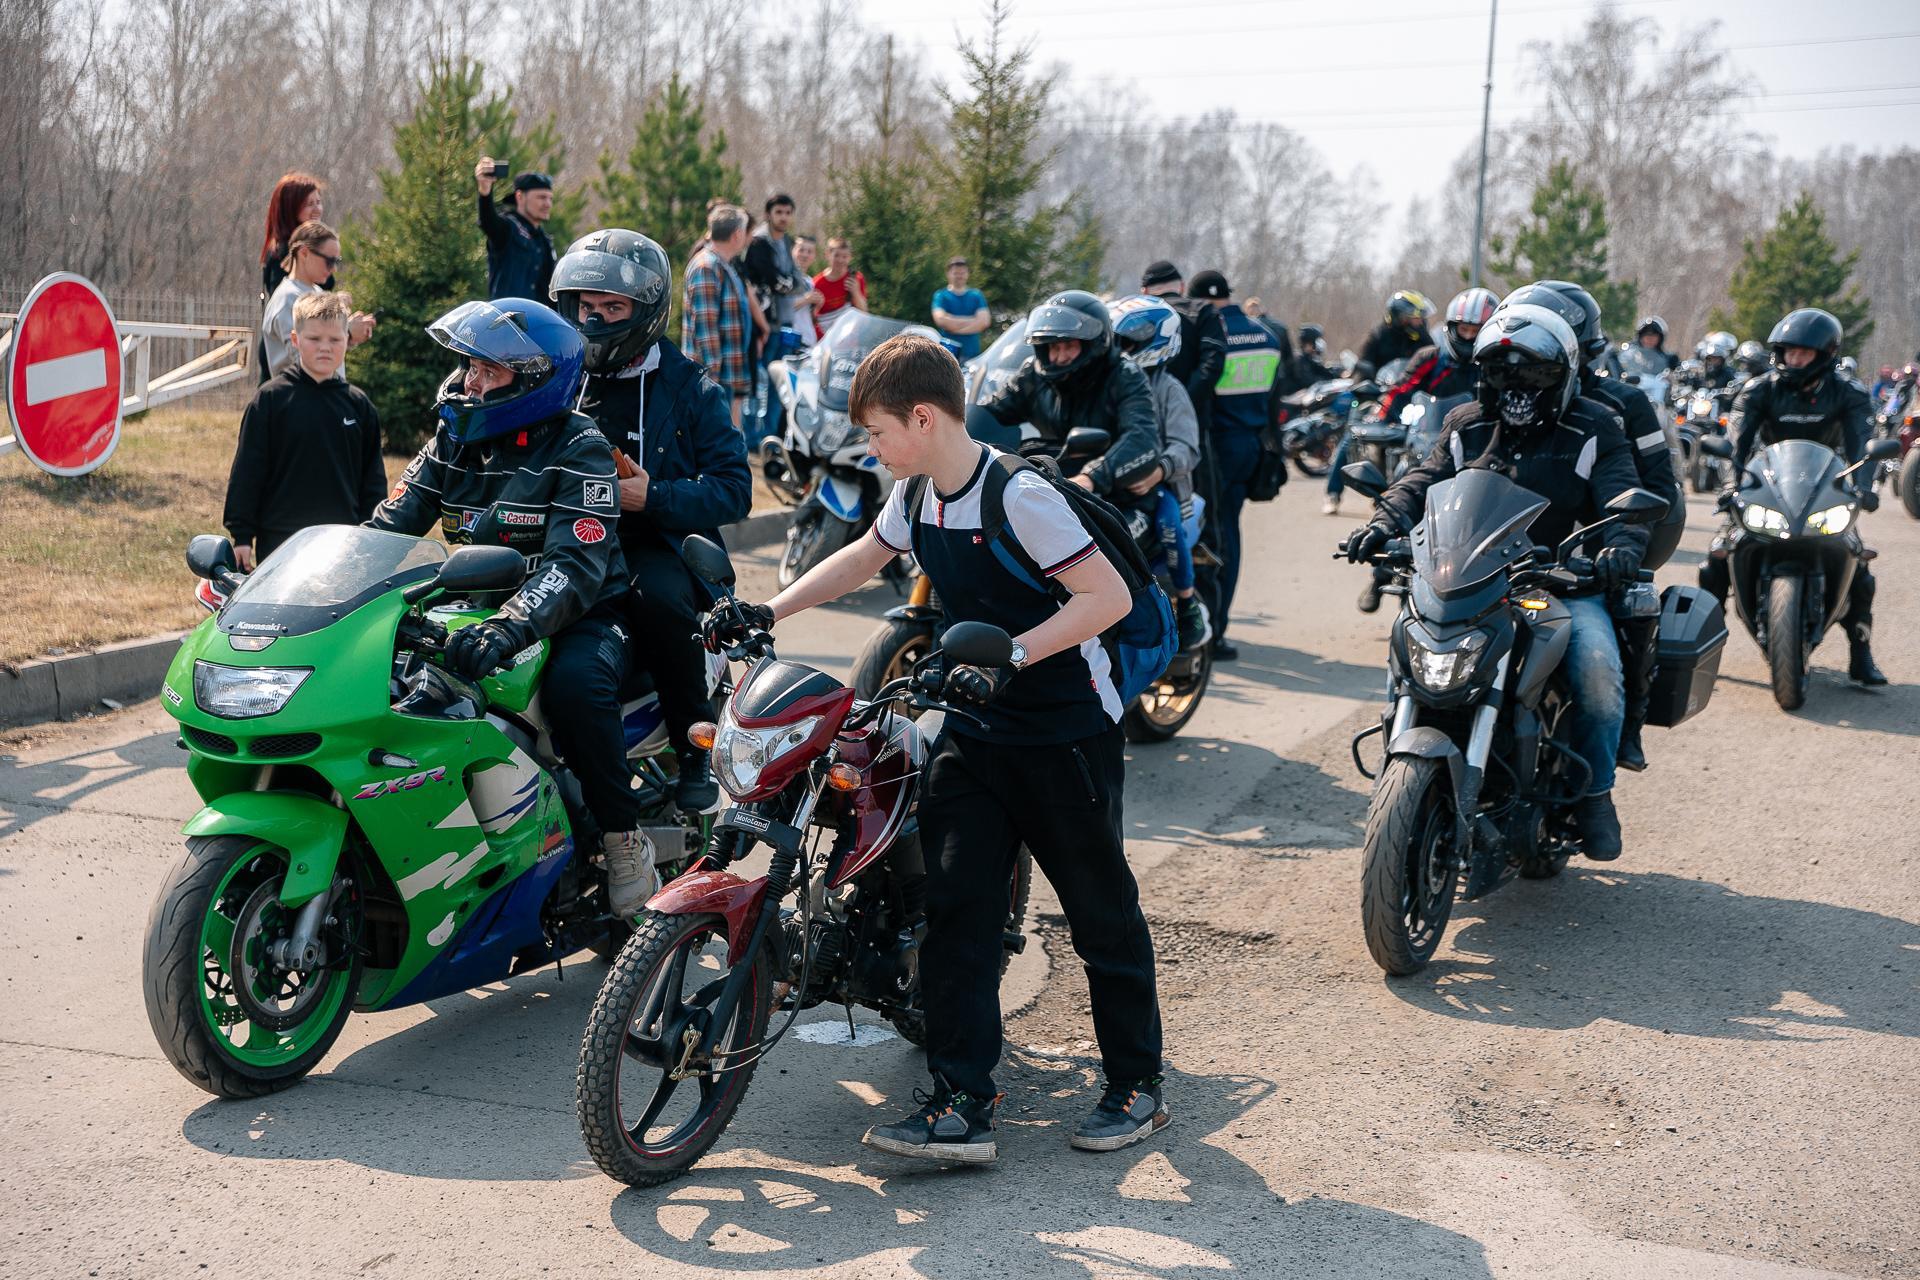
(702, 734)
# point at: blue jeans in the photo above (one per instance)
(1337, 483)
(1599, 690)
(1171, 533)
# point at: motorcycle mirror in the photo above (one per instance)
(481, 569)
(989, 430)
(1637, 506)
(1880, 450)
(1364, 478)
(707, 558)
(1086, 442)
(977, 644)
(209, 556)
(1633, 379)
(1721, 447)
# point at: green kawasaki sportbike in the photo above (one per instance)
(377, 831)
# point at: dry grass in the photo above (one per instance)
(103, 557)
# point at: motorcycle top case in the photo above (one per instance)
(1693, 632)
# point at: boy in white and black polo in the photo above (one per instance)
(1045, 767)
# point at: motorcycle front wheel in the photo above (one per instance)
(1169, 702)
(890, 653)
(1787, 640)
(647, 1112)
(1306, 456)
(1907, 482)
(812, 537)
(1406, 867)
(226, 1016)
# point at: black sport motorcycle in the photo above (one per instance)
(1795, 549)
(1479, 782)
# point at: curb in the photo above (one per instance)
(77, 684)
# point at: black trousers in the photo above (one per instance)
(1716, 576)
(663, 611)
(981, 801)
(581, 696)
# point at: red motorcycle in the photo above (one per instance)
(828, 784)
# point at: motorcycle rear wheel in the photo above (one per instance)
(1907, 482)
(890, 653)
(1787, 640)
(206, 935)
(634, 1034)
(1169, 702)
(1406, 871)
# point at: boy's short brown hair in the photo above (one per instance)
(905, 370)
(321, 306)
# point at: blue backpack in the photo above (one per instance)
(1140, 645)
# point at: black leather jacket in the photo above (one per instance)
(1388, 343)
(1110, 394)
(1836, 411)
(553, 499)
(1576, 465)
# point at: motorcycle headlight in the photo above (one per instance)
(243, 693)
(740, 754)
(1832, 520)
(1764, 520)
(1703, 406)
(833, 431)
(1444, 670)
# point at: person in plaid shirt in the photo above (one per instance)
(717, 319)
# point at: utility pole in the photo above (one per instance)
(1486, 118)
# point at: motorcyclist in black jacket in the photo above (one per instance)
(1203, 339)
(1528, 423)
(1802, 397)
(1656, 328)
(512, 465)
(1076, 378)
(1715, 353)
(1404, 333)
(1310, 363)
(1653, 456)
(683, 468)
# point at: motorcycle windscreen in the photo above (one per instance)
(1000, 362)
(1796, 478)
(1475, 527)
(325, 572)
(846, 343)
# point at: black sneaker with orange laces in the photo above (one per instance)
(1127, 1113)
(947, 1126)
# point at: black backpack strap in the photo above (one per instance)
(916, 488)
(993, 510)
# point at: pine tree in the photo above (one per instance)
(991, 169)
(423, 253)
(1566, 239)
(883, 205)
(669, 175)
(1795, 265)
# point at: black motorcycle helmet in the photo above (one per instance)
(1075, 314)
(1409, 310)
(1313, 339)
(1751, 357)
(1807, 327)
(1554, 295)
(1592, 335)
(615, 261)
(1529, 366)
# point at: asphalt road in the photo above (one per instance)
(1698, 1061)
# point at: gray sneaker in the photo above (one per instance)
(1127, 1113)
(631, 876)
(947, 1126)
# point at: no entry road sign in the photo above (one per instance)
(63, 376)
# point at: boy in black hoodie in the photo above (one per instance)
(309, 448)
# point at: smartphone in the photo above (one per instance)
(499, 168)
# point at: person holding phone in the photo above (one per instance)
(520, 254)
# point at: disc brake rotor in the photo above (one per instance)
(271, 997)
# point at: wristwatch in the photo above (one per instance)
(1018, 659)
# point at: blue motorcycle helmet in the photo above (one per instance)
(1146, 330)
(546, 354)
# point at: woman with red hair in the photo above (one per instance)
(295, 199)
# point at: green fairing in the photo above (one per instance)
(309, 830)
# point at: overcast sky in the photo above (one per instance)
(1400, 88)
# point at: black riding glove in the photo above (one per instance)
(721, 627)
(1368, 541)
(979, 685)
(1615, 565)
(478, 650)
(1869, 500)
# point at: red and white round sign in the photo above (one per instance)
(63, 376)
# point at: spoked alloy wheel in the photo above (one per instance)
(647, 1109)
(227, 1016)
(1164, 708)
(1407, 873)
(890, 653)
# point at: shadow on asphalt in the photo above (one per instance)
(1175, 1207)
(1293, 671)
(1836, 701)
(1686, 957)
(1283, 803)
(49, 786)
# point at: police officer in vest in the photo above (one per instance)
(1242, 406)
